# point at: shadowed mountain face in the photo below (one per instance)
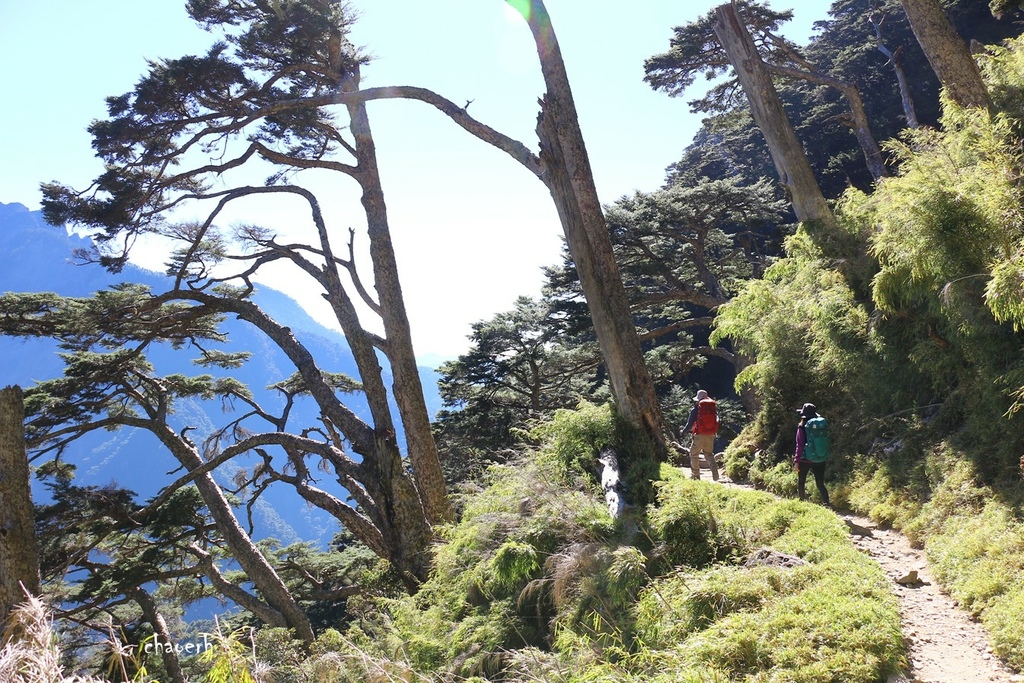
(36, 258)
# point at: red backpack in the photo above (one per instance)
(707, 417)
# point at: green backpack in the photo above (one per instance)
(817, 446)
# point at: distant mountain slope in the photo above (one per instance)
(35, 258)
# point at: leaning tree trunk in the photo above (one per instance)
(858, 116)
(570, 180)
(244, 551)
(408, 389)
(862, 131)
(787, 153)
(19, 558)
(947, 53)
(163, 640)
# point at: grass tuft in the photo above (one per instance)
(29, 650)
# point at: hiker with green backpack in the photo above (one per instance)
(812, 450)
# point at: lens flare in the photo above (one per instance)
(521, 6)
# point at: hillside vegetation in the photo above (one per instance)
(907, 325)
(537, 582)
(903, 322)
(904, 326)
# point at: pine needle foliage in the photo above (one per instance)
(954, 209)
(948, 235)
(808, 332)
(922, 328)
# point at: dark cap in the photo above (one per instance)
(809, 410)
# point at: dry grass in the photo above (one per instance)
(29, 652)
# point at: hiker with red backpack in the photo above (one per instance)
(703, 421)
(812, 450)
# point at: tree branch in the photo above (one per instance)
(459, 115)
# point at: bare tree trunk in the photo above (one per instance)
(947, 53)
(862, 131)
(901, 76)
(788, 154)
(272, 589)
(392, 520)
(408, 389)
(19, 557)
(569, 178)
(398, 512)
(163, 635)
(858, 117)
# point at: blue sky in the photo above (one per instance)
(471, 228)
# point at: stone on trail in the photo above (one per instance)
(911, 578)
(766, 557)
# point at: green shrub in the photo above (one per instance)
(778, 478)
(874, 493)
(277, 648)
(976, 549)
(685, 525)
(513, 565)
(739, 456)
(699, 599)
(1002, 620)
(593, 589)
(574, 438)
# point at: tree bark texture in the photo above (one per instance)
(19, 557)
(569, 178)
(766, 107)
(947, 53)
(163, 635)
(244, 550)
(408, 388)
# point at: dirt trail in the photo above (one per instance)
(944, 644)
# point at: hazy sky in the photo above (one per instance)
(472, 228)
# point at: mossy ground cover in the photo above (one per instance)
(832, 619)
(538, 583)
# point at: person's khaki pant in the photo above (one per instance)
(703, 443)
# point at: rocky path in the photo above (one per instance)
(944, 644)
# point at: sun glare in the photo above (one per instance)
(516, 9)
